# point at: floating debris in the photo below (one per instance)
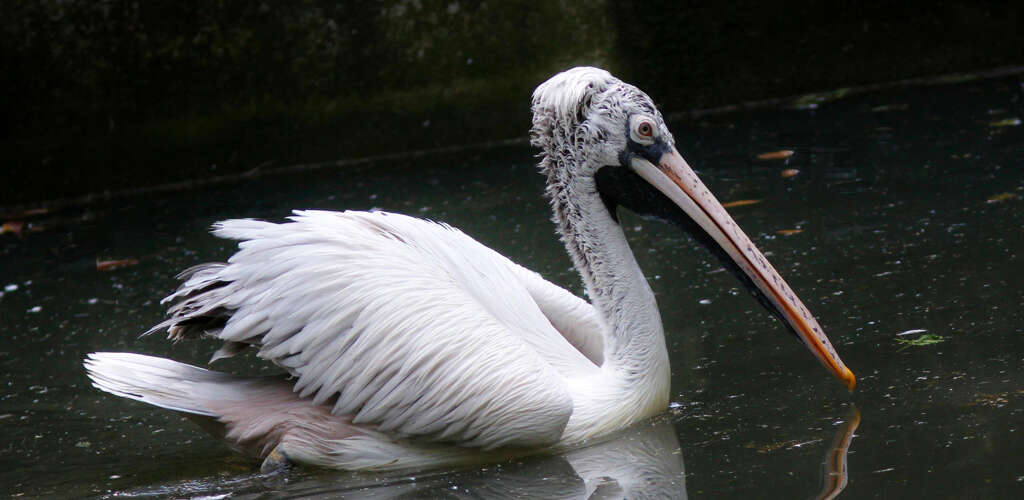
(13, 227)
(789, 172)
(997, 198)
(781, 154)
(923, 340)
(676, 408)
(789, 232)
(18, 228)
(771, 447)
(1008, 122)
(998, 400)
(911, 332)
(741, 203)
(109, 265)
(15, 221)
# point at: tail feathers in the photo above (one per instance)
(157, 381)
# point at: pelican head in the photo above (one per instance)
(589, 109)
(603, 139)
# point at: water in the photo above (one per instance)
(911, 217)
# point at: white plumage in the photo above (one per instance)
(411, 344)
(356, 305)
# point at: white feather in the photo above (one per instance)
(409, 324)
(157, 381)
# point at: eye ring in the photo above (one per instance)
(642, 129)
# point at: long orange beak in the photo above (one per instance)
(676, 180)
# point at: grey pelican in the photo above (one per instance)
(409, 344)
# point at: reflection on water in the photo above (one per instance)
(905, 214)
(835, 472)
(643, 461)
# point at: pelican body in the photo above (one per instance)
(408, 344)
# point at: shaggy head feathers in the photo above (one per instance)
(580, 118)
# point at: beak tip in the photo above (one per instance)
(848, 378)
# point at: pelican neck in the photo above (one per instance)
(635, 345)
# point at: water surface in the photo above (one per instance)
(906, 214)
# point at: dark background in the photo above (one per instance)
(103, 96)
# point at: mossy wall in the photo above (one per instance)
(109, 94)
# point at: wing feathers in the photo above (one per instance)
(404, 324)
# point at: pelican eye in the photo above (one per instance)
(642, 129)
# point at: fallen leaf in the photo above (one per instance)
(13, 226)
(996, 198)
(109, 265)
(788, 232)
(782, 154)
(741, 203)
(789, 172)
(1009, 122)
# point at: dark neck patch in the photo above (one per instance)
(620, 186)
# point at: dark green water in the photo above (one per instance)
(897, 233)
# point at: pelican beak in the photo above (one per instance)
(677, 181)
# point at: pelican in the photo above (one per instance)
(408, 344)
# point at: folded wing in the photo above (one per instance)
(405, 325)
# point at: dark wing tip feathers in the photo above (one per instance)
(190, 314)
